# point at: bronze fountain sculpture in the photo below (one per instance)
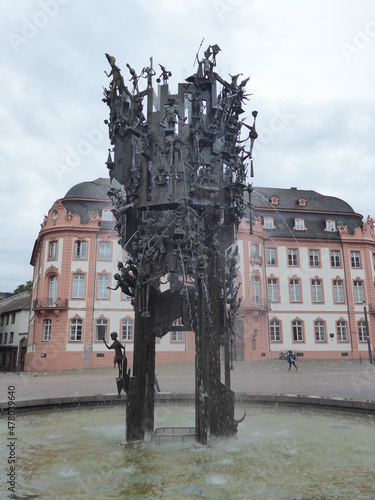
(183, 170)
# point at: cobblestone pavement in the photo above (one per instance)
(339, 379)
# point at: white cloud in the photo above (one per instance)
(315, 100)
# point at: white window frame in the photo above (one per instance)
(271, 256)
(177, 336)
(80, 250)
(362, 331)
(342, 331)
(105, 250)
(101, 329)
(317, 290)
(273, 289)
(314, 257)
(107, 214)
(275, 330)
(52, 290)
(76, 326)
(299, 225)
(295, 290)
(268, 223)
(127, 330)
(330, 226)
(103, 283)
(293, 257)
(338, 291)
(297, 329)
(320, 331)
(335, 258)
(47, 328)
(355, 257)
(52, 250)
(78, 287)
(359, 292)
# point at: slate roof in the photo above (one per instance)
(16, 303)
(89, 197)
(319, 208)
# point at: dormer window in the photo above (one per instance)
(107, 214)
(302, 201)
(268, 223)
(330, 225)
(299, 225)
(275, 199)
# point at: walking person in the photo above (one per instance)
(291, 358)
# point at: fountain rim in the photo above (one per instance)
(101, 400)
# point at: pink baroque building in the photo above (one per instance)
(72, 310)
(307, 274)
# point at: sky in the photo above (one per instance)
(312, 80)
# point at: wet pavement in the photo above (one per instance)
(336, 379)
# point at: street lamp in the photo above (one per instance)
(368, 336)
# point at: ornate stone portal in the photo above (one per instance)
(183, 168)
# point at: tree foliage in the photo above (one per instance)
(26, 287)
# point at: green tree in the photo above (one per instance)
(27, 287)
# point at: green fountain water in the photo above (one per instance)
(279, 452)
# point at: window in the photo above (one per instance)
(342, 335)
(292, 256)
(275, 199)
(127, 330)
(105, 250)
(358, 292)
(295, 291)
(78, 286)
(11, 337)
(362, 331)
(330, 225)
(256, 290)
(317, 295)
(273, 290)
(268, 223)
(107, 214)
(297, 328)
(52, 250)
(103, 284)
(12, 318)
(52, 295)
(320, 331)
(101, 330)
(5, 337)
(75, 330)
(255, 250)
(335, 258)
(271, 256)
(299, 224)
(314, 258)
(6, 319)
(47, 330)
(275, 331)
(302, 202)
(338, 291)
(80, 249)
(1, 338)
(356, 259)
(177, 337)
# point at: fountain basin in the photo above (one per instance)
(279, 452)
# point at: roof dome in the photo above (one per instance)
(97, 189)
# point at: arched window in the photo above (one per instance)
(52, 293)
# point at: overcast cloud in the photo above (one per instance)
(312, 73)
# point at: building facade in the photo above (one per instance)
(14, 326)
(73, 310)
(307, 276)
